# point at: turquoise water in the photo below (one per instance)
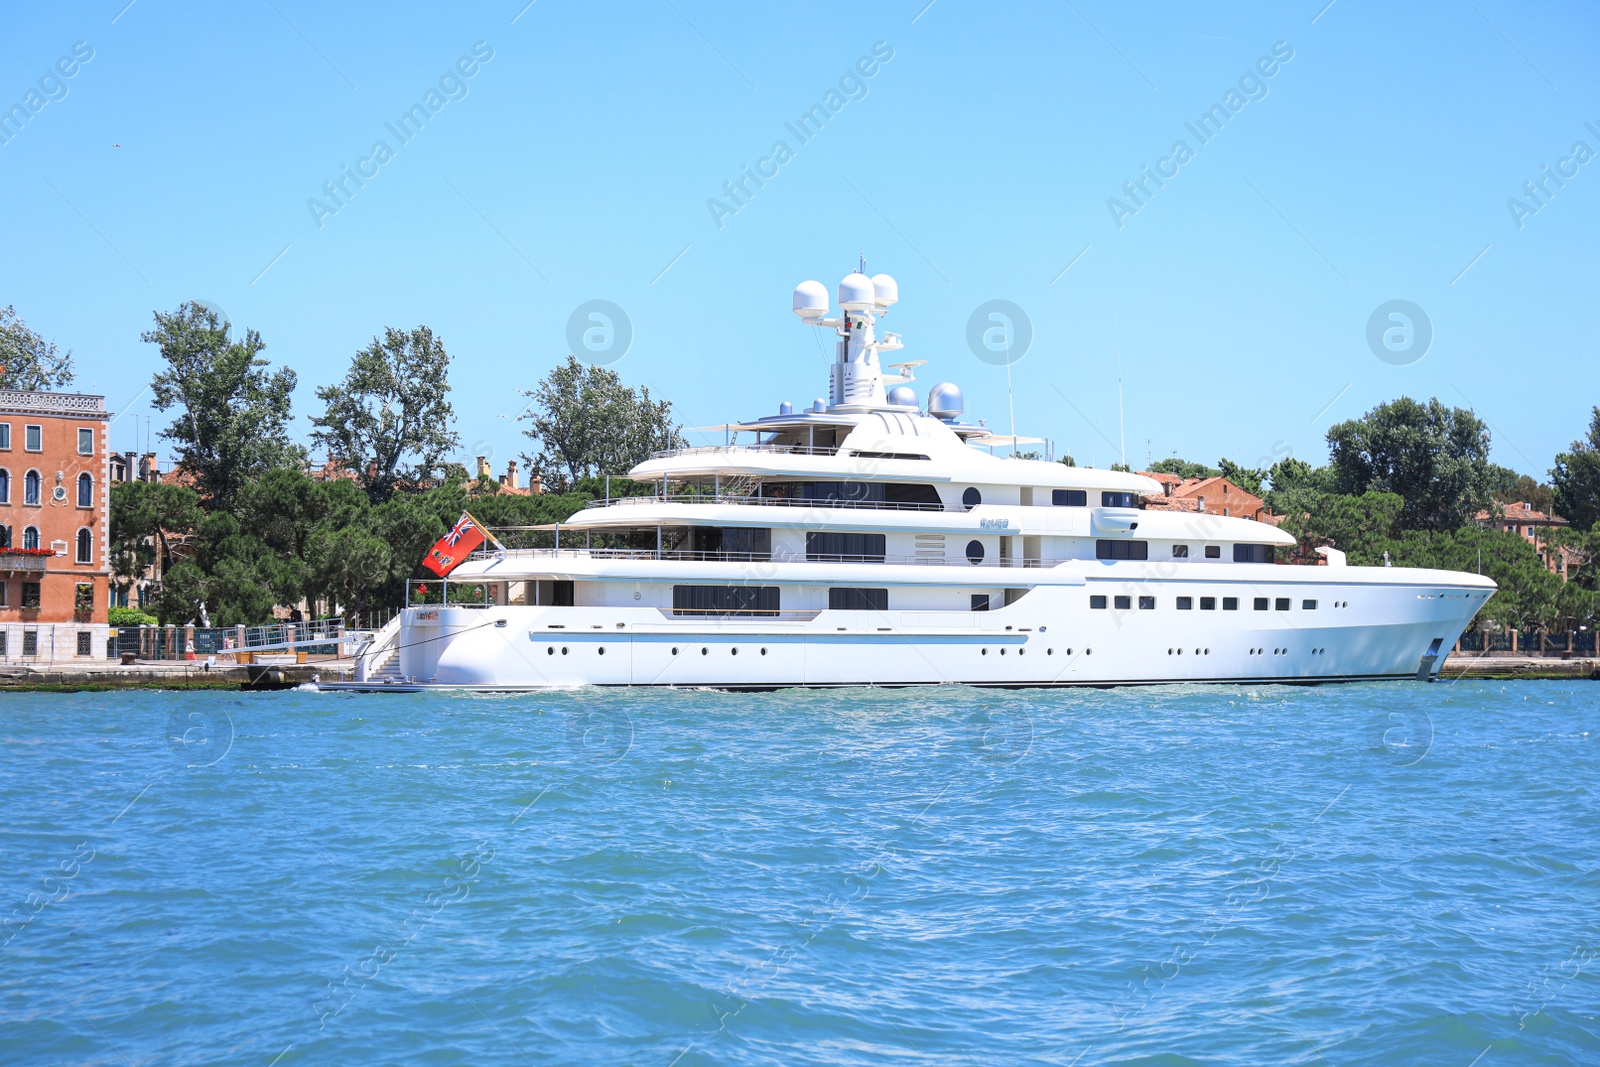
(1370, 874)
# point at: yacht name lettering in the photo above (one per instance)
(994, 524)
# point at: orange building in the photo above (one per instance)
(1208, 496)
(55, 496)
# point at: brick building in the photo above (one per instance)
(55, 498)
(1208, 496)
(1534, 526)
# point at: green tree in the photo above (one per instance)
(144, 518)
(586, 422)
(1436, 458)
(233, 418)
(1576, 479)
(1183, 468)
(1250, 479)
(1361, 526)
(28, 361)
(225, 574)
(390, 421)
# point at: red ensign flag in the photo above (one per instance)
(455, 546)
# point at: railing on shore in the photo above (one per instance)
(1561, 643)
(312, 636)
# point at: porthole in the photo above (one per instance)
(674, 651)
(1002, 651)
(1022, 652)
(986, 652)
(1086, 652)
(971, 498)
(733, 651)
(1049, 651)
(550, 651)
(705, 651)
(563, 650)
(1169, 651)
(763, 652)
(1069, 651)
(601, 650)
(974, 552)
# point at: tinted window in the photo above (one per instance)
(974, 552)
(1261, 603)
(732, 542)
(1282, 603)
(1069, 498)
(911, 493)
(980, 601)
(725, 599)
(858, 599)
(1208, 603)
(854, 547)
(1230, 603)
(1122, 550)
(1123, 603)
(1119, 500)
(1254, 554)
(1213, 552)
(1180, 551)
(1308, 605)
(1097, 602)
(971, 498)
(1147, 603)
(1185, 603)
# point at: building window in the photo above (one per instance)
(30, 595)
(1254, 554)
(1180, 551)
(85, 490)
(1119, 500)
(1122, 603)
(1261, 603)
(1282, 604)
(846, 547)
(971, 498)
(1308, 605)
(5, 436)
(85, 441)
(83, 597)
(33, 438)
(725, 599)
(1208, 603)
(1122, 550)
(32, 485)
(858, 600)
(1097, 603)
(30, 642)
(1230, 603)
(5, 486)
(85, 642)
(1185, 603)
(85, 546)
(974, 552)
(4, 588)
(1069, 498)
(30, 537)
(5, 536)
(1147, 603)
(1213, 552)
(980, 601)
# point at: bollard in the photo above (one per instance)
(171, 649)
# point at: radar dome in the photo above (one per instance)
(856, 293)
(810, 300)
(785, 408)
(887, 290)
(945, 401)
(819, 405)
(903, 396)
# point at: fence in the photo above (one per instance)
(316, 637)
(1577, 642)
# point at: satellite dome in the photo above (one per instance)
(819, 405)
(945, 401)
(785, 408)
(903, 396)
(887, 291)
(856, 293)
(810, 300)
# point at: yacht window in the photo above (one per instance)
(1308, 605)
(1122, 603)
(1185, 603)
(888, 455)
(971, 498)
(1230, 603)
(1213, 552)
(974, 552)
(1261, 603)
(1119, 500)
(1069, 498)
(1282, 603)
(1122, 550)
(845, 547)
(1208, 603)
(725, 599)
(732, 542)
(1254, 554)
(1097, 603)
(1180, 551)
(980, 601)
(858, 600)
(561, 594)
(1147, 603)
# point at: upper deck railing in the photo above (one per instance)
(692, 556)
(707, 450)
(770, 501)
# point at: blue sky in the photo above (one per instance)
(976, 163)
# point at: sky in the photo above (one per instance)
(1359, 153)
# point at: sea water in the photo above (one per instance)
(1350, 874)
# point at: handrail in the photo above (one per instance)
(774, 501)
(696, 450)
(688, 556)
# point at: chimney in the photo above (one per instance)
(510, 480)
(536, 484)
(483, 468)
(149, 470)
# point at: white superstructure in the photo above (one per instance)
(863, 541)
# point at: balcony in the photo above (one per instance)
(24, 562)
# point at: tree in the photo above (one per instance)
(28, 361)
(1183, 468)
(1576, 479)
(144, 516)
(1511, 487)
(587, 422)
(390, 421)
(1435, 458)
(1250, 479)
(233, 416)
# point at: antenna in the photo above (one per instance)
(862, 269)
(1122, 426)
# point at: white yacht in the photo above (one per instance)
(871, 540)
